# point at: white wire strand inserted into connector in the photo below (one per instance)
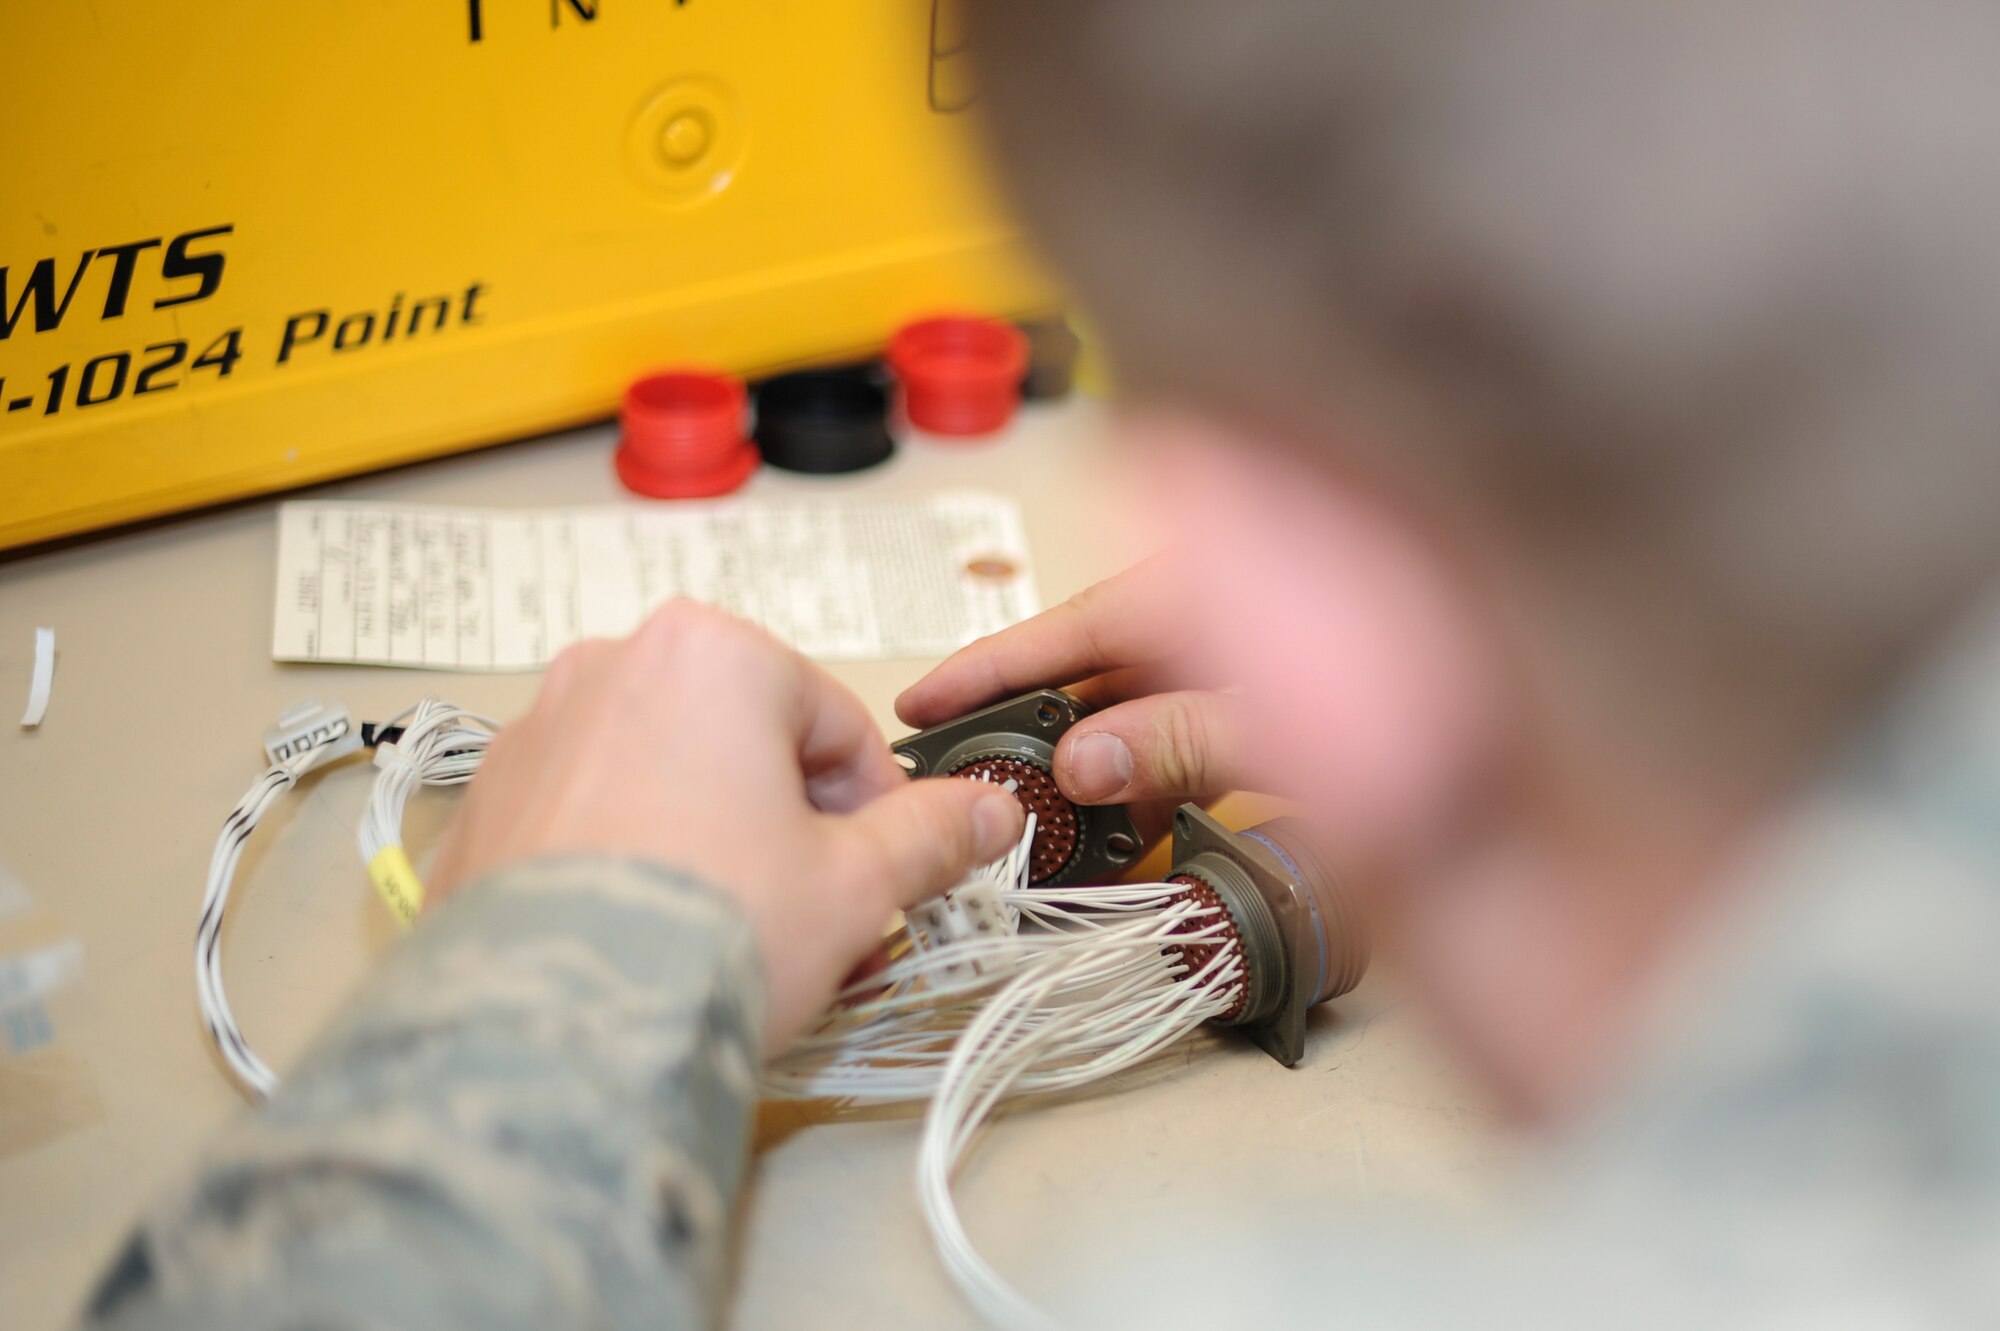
(1095, 983)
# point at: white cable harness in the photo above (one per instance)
(1002, 989)
(243, 1062)
(1094, 986)
(440, 745)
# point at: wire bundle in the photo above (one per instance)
(434, 743)
(1099, 981)
(1093, 987)
(243, 1062)
(441, 744)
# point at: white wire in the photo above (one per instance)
(1097, 985)
(1111, 978)
(996, 1057)
(442, 744)
(248, 1069)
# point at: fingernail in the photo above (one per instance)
(1099, 767)
(996, 825)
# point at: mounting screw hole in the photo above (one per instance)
(1048, 713)
(1181, 823)
(1121, 845)
(910, 763)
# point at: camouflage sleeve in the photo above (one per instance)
(536, 1115)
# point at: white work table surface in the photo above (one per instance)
(163, 686)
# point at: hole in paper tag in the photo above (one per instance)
(998, 568)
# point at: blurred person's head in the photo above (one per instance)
(1578, 411)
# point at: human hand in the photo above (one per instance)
(702, 743)
(1158, 739)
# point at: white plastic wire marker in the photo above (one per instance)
(43, 679)
(974, 909)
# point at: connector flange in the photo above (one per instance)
(1302, 938)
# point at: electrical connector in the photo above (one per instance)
(961, 916)
(308, 725)
(975, 912)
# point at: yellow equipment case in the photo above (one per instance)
(246, 246)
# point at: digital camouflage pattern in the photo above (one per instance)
(536, 1115)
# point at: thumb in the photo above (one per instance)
(1169, 746)
(920, 840)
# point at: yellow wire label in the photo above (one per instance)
(398, 883)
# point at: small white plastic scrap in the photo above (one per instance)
(43, 679)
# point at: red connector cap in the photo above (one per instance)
(683, 436)
(961, 375)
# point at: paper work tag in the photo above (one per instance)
(839, 578)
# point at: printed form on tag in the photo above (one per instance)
(840, 579)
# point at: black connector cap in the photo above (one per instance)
(823, 422)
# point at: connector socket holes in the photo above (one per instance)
(1026, 730)
(1060, 827)
(1265, 965)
